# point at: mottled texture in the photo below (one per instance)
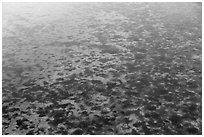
(102, 68)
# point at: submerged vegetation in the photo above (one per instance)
(102, 68)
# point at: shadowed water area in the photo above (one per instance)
(102, 68)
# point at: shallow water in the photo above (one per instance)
(102, 68)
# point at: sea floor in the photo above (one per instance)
(102, 68)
